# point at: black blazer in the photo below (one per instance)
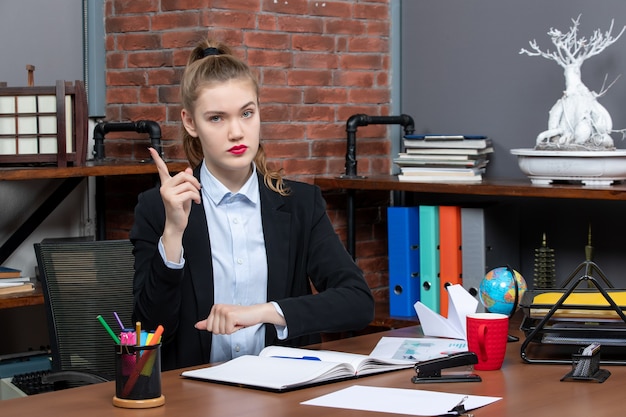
(300, 243)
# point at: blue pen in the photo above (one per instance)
(306, 358)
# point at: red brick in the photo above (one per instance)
(328, 95)
(265, 58)
(271, 76)
(249, 5)
(150, 59)
(278, 41)
(355, 78)
(229, 19)
(280, 95)
(165, 21)
(121, 7)
(182, 39)
(122, 95)
(285, 130)
(287, 149)
(170, 5)
(314, 60)
(369, 62)
(312, 113)
(309, 77)
(299, 24)
(138, 41)
(125, 78)
(313, 42)
(143, 113)
(128, 24)
(371, 11)
(335, 9)
(298, 7)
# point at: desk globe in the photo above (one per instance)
(497, 290)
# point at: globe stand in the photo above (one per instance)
(511, 338)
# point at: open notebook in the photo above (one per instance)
(279, 368)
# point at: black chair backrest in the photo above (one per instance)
(81, 280)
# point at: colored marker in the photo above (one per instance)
(118, 320)
(132, 380)
(108, 329)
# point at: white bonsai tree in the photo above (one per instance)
(577, 121)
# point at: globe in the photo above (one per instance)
(497, 290)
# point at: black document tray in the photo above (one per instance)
(556, 331)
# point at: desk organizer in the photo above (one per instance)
(586, 368)
(43, 125)
(559, 321)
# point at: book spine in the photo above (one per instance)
(450, 253)
(404, 260)
(429, 256)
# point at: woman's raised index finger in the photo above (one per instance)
(164, 173)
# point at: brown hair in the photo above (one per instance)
(210, 63)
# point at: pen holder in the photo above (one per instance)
(138, 376)
(586, 368)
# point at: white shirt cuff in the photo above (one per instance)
(170, 264)
(281, 331)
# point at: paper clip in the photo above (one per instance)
(459, 409)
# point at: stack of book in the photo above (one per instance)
(444, 158)
(12, 281)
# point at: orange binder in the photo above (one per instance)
(450, 260)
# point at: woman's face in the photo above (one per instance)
(226, 121)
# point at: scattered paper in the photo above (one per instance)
(417, 349)
(400, 401)
(460, 304)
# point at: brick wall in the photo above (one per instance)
(318, 62)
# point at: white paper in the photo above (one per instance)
(417, 349)
(399, 401)
(460, 304)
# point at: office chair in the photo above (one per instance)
(81, 280)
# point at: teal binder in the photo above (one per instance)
(429, 256)
(404, 260)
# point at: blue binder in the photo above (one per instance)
(429, 256)
(404, 260)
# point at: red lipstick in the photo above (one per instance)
(238, 150)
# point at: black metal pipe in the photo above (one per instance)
(357, 120)
(150, 127)
(351, 127)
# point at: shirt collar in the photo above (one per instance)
(217, 192)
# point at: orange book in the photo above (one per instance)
(450, 260)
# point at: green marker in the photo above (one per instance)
(108, 329)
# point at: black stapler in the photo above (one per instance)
(430, 371)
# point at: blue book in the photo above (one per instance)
(404, 260)
(429, 256)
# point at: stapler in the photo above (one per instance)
(430, 371)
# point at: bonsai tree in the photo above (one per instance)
(577, 121)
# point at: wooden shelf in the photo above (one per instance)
(500, 188)
(103, 168)
(90, 169)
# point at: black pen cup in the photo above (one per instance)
(138, 376)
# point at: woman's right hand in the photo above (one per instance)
(177, 192)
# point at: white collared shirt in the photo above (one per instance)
(239, 259)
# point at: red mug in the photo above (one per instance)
(487, 335)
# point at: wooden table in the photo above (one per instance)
(527, 390)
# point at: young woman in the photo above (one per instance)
(229, 256)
